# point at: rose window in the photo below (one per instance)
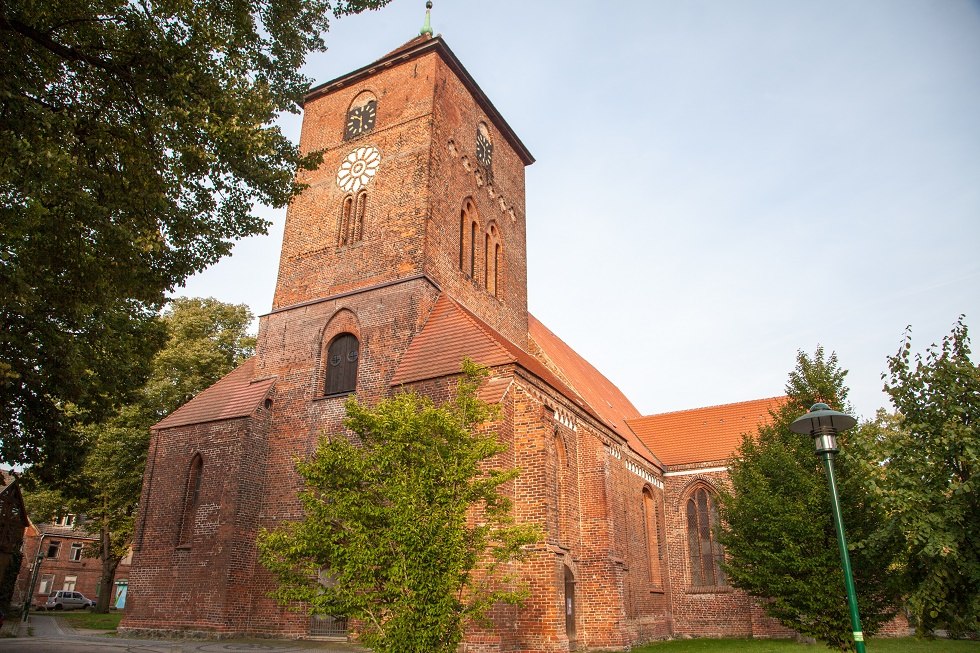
(358, 168)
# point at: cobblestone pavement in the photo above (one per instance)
(48, 634)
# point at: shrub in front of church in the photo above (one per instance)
(405, 528)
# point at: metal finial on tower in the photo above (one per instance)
(427, 27)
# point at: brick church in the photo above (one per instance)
(406, 253)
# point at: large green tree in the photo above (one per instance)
(404, 517)
(930, 479)
(206, 339)
(777, 529)
(135, 140)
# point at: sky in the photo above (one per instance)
(718, 185)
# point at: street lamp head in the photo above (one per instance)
(823, 424)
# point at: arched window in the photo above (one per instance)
(192, 497)
(491, 261)
(560, 485)
(342, 355)
(704, 551)
(468, 228)
(351, 227)
(651, 531)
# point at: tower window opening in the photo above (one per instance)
(350, 230)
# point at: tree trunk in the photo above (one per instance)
(109, 564)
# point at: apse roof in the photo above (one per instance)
(703, 434)
(234, 395)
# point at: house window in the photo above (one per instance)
(704, 550)
(69, 585)
(654, 552)
(65, 520)
(75, 555)
(342, 357)
(53, 549)
(47, 584)
(192, 495)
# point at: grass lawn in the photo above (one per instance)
(89, 620)
(884, 645)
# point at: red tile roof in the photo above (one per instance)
(599, 392)
(703, 434)
(234, 395)
(451, 333)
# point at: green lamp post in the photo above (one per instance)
(823, 424)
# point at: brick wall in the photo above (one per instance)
(716, 611)
(60, 568)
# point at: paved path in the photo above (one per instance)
(52, 635)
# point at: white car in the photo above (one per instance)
(68, 600)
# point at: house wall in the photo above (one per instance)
(60, 568)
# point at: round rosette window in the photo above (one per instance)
(358, 168)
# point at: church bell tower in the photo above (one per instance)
(421, 178)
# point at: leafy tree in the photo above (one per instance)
(405, 528)
(777, 527)
(929, 479)
(206, 340)
(135, 139)
(113, 478)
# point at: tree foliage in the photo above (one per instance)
(778, 531)
(206, 339)
(135, 139)
(405, 518)
(929, 480)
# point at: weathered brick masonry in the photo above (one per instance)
(406, 253)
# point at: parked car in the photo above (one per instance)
(68, 600)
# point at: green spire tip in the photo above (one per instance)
(427, 27)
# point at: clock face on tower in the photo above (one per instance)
(360, 120)
(484, 149)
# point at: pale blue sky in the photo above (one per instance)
(718, 184)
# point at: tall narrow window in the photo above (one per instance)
(704, 550)
(75, 555)
(468, 228)
(192, 497)
(472, 272)
(561, 469)
(342, 357)
(652, 538)
(351, 226)
(360, 207)
(343, 229)
(462, 239)
(491, 258)
(53, 549)
(496, 268)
